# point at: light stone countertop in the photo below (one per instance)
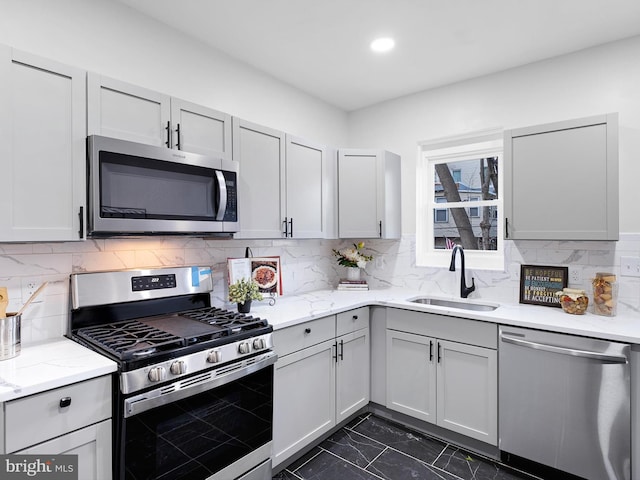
(291, 310)
(48, 365)
(55, 363)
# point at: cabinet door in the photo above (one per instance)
(467, 382)
(199, 129)
(562, 181)
(352, 374)
(306, 166)
(358, 178)
(369, 203)
(260, 153)
(92, 444)
(304, 399)
(42, 148)
(411, 375)
(128, 112)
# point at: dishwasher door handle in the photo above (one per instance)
(564, 350)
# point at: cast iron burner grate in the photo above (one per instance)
(130, 339)
(227, 321)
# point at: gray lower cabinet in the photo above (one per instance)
(304, 402)
(443, 370)
(91, 444)
(352, 362)
(321, 378)
(74, 419)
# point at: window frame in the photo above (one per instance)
(470, 146)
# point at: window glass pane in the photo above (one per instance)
(460, 180)
(459, 226)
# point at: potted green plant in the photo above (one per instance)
(243, 292)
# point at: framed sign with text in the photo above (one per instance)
(539, 284)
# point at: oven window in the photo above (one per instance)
(198, 436)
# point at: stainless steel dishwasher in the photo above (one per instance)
(564, 402)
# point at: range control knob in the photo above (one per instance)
(178, 368)
(244, 347)
(157, 374)
(214, 356)
(259, 344)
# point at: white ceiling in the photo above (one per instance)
(322, 46)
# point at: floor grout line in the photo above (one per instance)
(351, 463)
(377, 456)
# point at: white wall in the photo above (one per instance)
(598, 80)
(114, 40)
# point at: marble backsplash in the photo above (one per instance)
(306, 265)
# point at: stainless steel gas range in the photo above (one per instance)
(194, 389)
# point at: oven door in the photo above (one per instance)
(216, 424)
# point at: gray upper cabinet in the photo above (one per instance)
(308, 189)
(284, 187)
(199, 129)
(129, 112)
(42, 148)
(561, 180)
(368, 194)
(260, 152)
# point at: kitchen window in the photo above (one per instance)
(459, 200)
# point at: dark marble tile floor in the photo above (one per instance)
(372, 448)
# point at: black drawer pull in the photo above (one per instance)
(65, 402)
(355, 317)
(307, 330)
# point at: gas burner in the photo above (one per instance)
(144, 353)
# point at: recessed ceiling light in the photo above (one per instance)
(382, 44)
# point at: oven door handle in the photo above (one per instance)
(189, 386)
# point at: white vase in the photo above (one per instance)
(353, 273)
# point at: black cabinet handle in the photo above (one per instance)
(285, 224)
(334, 348)
(506, 228)
(355, 317)
(307, 330)
(439, 352)
(81, 229)
(291, 227)
(178, 133)
(380, 228)
(168, 129)
(65, 402)
(431, 350)
(341, 350)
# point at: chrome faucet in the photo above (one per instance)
(464, 290)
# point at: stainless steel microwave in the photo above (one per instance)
(136, 189)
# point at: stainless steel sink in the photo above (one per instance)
(477, 307)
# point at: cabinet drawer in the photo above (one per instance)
(347, 322)
(34, 419)
(471, 332)
(303, 335)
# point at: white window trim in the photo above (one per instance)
(472, 145)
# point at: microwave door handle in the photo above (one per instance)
(222, 196)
